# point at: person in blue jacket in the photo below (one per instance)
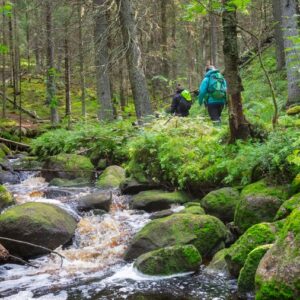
(212, 92)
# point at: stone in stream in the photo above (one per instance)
(207, 233)
(6, 198)
(131, 186)
(197, 210)
(259, 203)
(288, 206)
(38, 223)
(155, 200)
(99, 200)
(169, 260)
(111, 177)
(9, 177)
(78, 182)
(221, 203)
(4, 151)
(67, 166)
(278, 274)
(218, 263)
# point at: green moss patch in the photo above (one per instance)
(6, 198)
(288, 206)
(111, 177)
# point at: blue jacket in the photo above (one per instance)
(203, 91)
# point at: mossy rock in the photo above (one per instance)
(131, 186)
(295, 186)
(278, 274)
(157, 200)
(39, 223)
(169, 260)
(295, 110)
(67, 166)
(207, 233)
(4, 151)
(218, 263)
(29, 163)
(259, 203)
(111, 177)
(221, 203)
(246, 280)
(78, 182)
(288, 206)
(6, 198)
(198, 210)
(257, 235)
(189, 204)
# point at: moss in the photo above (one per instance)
(218, 262)
(246, 280)
(257, 235)
(111, 177)
(189, 204)
(293, 110)
(295, 186)
(198, 210)
(288, 206)
(6, 198)
(169, 260)
(221, 203)
(5, 149)
(78, 182)
(73, 161)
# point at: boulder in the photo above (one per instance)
(111, 177)
(189, 204)
(287, 207)
(9, 177)
(278, 274)
(78, 182)
(294, 110)
(257, 235)
(198, 210)
(207, 233)
(100, 200)
(157, 200)
(130, 186)
(169, 260)
(221, 203)
(67, 166)
(28, 163)
(218, 263)
(161, 214)
(6, 198)
(38, 223)
(259, 203)
(246, 280)
(4, 151)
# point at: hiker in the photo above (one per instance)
(212, 93)
(181, 103)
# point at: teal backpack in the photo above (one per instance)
(217, 86)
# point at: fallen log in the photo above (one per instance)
(15, 145)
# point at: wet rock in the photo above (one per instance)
(221, 203)
(287, 207)
(157, 200)
(111, 177)
(259, 203)
(246, 280)
(6, 198)
(169, 260)
(78, 182)
(207, 233)
(28, 163)
(278, 274)
(38, 223)
(161, 214)
(218, 263)
(257, 235)
(131, 186)
(100, 200)
(67, 166)
(56, 193)
(9, 177)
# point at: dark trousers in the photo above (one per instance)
(215, 111)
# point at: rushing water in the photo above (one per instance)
(93, 267)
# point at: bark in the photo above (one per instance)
(278, 34)
(292, 52)
(239, 127)
(102, 61)
(164, 38)
(67, 77)
(134, 60)
(16, 50)
(213, 38)
(3, 65)
(51, 89)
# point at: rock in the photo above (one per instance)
(4, 254)
(6, 198)
(206, 233)
(259, 203)
(198, 210)
(169, 260)
(257, 235)
(278, 274)
(189, 204)
(218, 263)
(100, 200)
(38, 223)
(161, 214)
(293, 110)
(246, 280)
(28, 163)
(78, 182)
(67, 166)
(221, 203)
(130, 186)
(52, 193)
(111, 177)
(9, 177)
(4, 151)
(157, 200)
(287, 207)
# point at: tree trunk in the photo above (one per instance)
(290, 29)
(134, 60)
(51, 89)
(102, 61)
(278, 34)
(213, 37)
(164, 39)
(16, 50)
(3, 64)
(67, 77)
(239, 127)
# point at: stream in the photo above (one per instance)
(93, 267)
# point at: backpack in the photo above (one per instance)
(185, 100)
(217, 86)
